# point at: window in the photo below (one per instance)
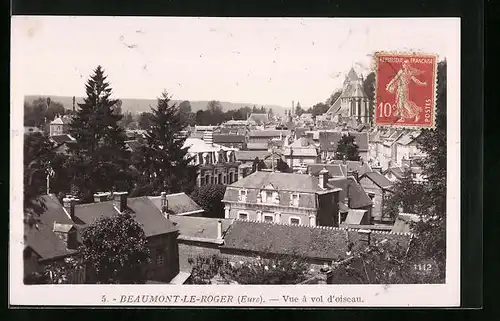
(269, 197)
(160, 258)
(219, 178)
(294, 220)
(268, 218)
(243, 196)
(294, 200)
(243, 216)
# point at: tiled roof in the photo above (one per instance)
(397, 171)
(178, 204)
(257, 146)
(328, 140)
(379, 179)
(42, 238)
(228, 138)
(355, 193)
(334, 170)
(142, 209)
(249, 155)
(281, 181)
(199, 227)
(311, 242)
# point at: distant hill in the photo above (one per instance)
(141, 105)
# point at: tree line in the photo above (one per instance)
(99, 160)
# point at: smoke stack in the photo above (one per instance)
(101, 197)
(120, 201)
(364, 236)
(219, 229)
(164, 205)
(69, 206)
(323, 178)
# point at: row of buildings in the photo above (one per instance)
(176, 233)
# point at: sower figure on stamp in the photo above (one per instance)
(405, 108)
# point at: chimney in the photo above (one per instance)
(323, 178)
(120, 201)
(219, 229)
(208, 137)
(364, 236)
(164, 205)
(69, 206)
(101, 197)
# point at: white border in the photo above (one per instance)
(447, 294)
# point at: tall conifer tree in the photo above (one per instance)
(98, 159)
(163, 162)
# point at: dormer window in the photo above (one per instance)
(294, 200)
(243, 196)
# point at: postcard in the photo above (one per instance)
(235, 162)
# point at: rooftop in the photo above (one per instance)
(178, 204)
(379, 179)
(312, 242)
(280, 181)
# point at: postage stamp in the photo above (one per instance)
(405, 89)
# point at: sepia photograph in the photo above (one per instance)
(193, 158)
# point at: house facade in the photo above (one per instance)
(217, 164)
(284, 198)
(57, 235)
(378, 188)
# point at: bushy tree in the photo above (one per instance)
(210, 197)
(407, 198)
(274, 269)
(144, 120)
(347, 149)
(40, 160)
(333, 97)
(99, 159)
(116, 248)
(298, 109)
(41, 111)
(163, 161)
(318, 109)
(428, 200)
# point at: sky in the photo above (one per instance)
(256, 60)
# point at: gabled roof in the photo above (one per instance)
(379, 179)
(141, 208)
(311, 242)
(41, 238)
(408, 138)
(354, 192)
(282, 181)
(57, 121)
(397, 171)
(178, 204)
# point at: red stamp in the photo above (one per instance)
(405, 94)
